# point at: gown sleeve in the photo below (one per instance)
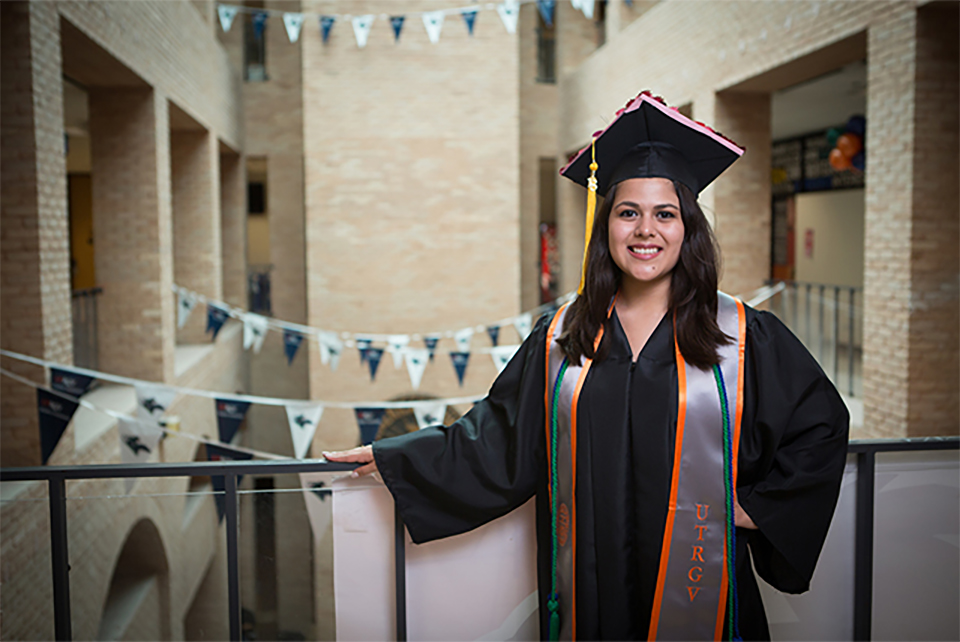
(449, 480)
(793, 451)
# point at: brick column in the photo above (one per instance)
(741, 196)
(130, 158)
(195, 196)
(285, 204)
(36, 317)
(233, 228)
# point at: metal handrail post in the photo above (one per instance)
(850, 355)
(59, 558)
(233, 556)
(836, 330)
(863, 547)
(806, 316)
(400, 563)
(820, 315)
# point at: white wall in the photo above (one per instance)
(836, 220)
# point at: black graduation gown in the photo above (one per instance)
(792, 452)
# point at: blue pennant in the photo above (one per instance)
(73, 384)
(547, 8)
(470, 17)
(369, 421)
(326, 24)
(55, 413)
(494, 332)
(216, 317)
(460, 360)
(291, 343)
(629, 3)
(222, 453)
(397, 23)
(259, 22)
(230, 414)
(431, 343)
(362, 346)
(373, 360)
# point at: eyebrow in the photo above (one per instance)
(656, 207)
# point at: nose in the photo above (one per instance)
(644, 227)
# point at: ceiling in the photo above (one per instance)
(823, 102)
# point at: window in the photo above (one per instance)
(546, 51)
(254, 51)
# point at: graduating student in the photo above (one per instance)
(670, 433)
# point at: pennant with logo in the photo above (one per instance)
(216, 317)
(71, 383)
(291, 343)
(293, 23)
(429, 413)
(222, 453)
(397, 23)
(431, 342)
(153, 401)
(368, 419)
(185, 305)
(230, 414)
(362, 346)
(523, 323)
(462, 337)
(493, 331)
(433, 23)
(303, 419)
(330, 350)
(361, 28)
(259, 24)
(509, 11)
(416, 363)
(469, 17)
(317, 493)
(55, 413)
(546, 8)
(502, 355)
(138, 442)
(460, 361)
(226, 15)
(326, 24)
(372, 357)
(254, 331)
(395, 344)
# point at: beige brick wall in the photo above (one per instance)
(233, 228)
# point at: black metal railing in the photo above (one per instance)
(56, 477)
(258, 289)
(84, 312)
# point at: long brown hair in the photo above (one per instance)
(693, 288)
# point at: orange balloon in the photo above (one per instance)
(849, 144)
(838, 161)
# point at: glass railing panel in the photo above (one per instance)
(26, 589)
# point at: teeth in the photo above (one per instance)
(649, 251)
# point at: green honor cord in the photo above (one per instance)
(733, 627)
(553, 602)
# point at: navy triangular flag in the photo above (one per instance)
(71, 383)
(470, 17)
(494, 332)
(216, 317)
(362, 346)
(368, 419)
(291, 343)
(546, 8)
(460, 361)
(230, 415)
(326, 24)
(397, 23)
(222, 453)
(259, 22)
(55, 413)
(373, 356)
(431, 344)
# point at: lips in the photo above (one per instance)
(645, 252)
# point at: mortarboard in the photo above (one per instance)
(648, 139)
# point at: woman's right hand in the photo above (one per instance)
(360, 455)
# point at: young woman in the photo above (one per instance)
(665, 429)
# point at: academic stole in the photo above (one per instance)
(691, 595)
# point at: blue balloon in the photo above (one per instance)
(857, 125)
(859, 160)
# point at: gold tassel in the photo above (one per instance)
(591, 208)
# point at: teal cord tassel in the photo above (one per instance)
(553, 604)
(730, 540)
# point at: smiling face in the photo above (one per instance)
(645, 230)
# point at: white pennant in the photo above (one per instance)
(395, 345)
(303, 419)
(462, 337)
(153, 402)
(577, 4)
(293, 22)
(185, 305)
(429, 413)
(318, 496)
(361, 28)
(433, 22)
(138, 443)
(509, 12)
(586, 6)
(417, 359)
(502, 355)
(227, 14)
(331, 347)
(523, 323)
(254, 331)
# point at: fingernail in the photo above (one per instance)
(354, 474)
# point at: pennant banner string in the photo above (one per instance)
(489, 6)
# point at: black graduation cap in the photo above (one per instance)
(648, 139)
